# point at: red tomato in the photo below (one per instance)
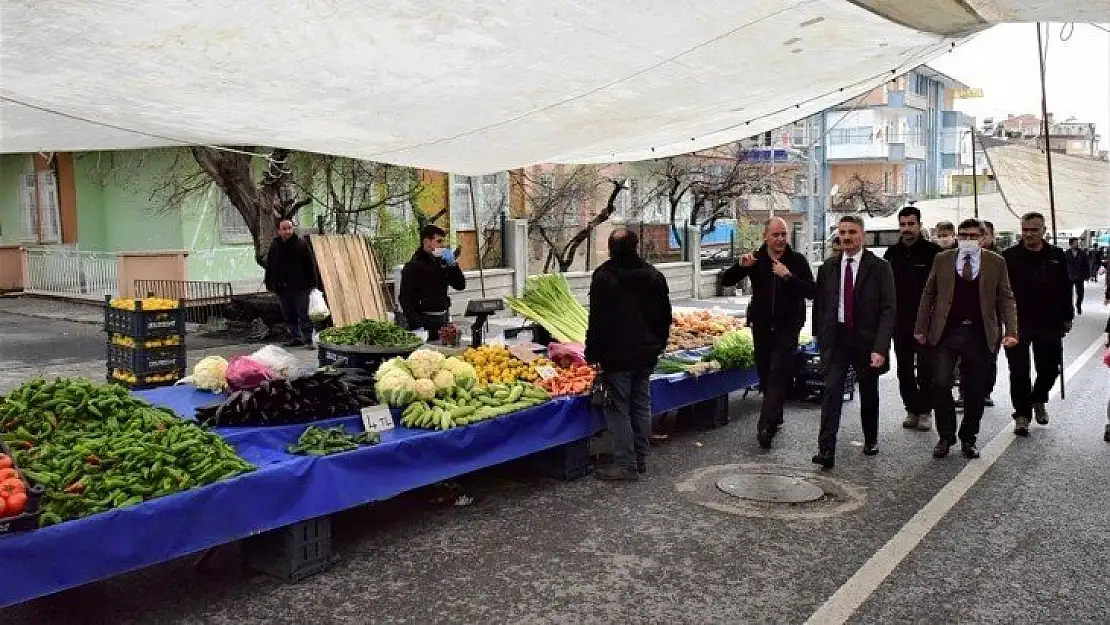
(16, 504)
(10, 487)
(3, 507)
(5, 461)
(7, 474)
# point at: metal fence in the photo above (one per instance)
(71, 273)
(203, 300)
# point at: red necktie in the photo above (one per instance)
(849, 296)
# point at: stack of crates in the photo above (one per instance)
(146, 341)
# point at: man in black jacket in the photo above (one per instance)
(1039, 277)
(1079, 270)
(781, 283)
(853, 320)
(629, 320)
(911, 260)
(291, 275)
(988, 243)
(424, 281)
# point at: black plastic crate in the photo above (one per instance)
(29, 520)
(143, 360)
(809, 382)
(153, 342)
(147, 381)
(140, 324)
(709, 414)
(292, 553)
(566, 462)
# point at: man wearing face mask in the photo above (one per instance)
(424, 282)
(967, 295)
(911, 260)
(945, 235)
(1039, 275)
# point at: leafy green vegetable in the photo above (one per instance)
(735, 350)
(370, 332)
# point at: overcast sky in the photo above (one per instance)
(1003, 63)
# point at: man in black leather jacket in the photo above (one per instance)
(782, 281)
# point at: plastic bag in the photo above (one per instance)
(317, 307)
(1106, 358)
(246, 373)
(280, 362)
(567, 354)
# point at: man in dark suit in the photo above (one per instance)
(967, 295)
(853, 320)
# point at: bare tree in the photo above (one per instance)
(861, 195)
(355, 193)
(563, 208)
(711, 184)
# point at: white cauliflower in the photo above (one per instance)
(424, 363)
(210, 374)
(425, 389)
(396, 363)
(444, 379)
(464, 372)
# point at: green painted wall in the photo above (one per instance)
(91, 226)
(11, 167)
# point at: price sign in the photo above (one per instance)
(547, 372)
(377, 419)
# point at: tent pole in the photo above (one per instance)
(477, 234)
(974, 173)
(1047, 141)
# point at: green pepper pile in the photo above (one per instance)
(97, 447)
(370, 332)
(316, 441)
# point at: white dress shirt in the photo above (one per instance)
(855, 280)
(976, 261)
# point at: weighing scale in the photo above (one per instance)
(481, 309)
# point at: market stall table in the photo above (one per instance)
(287, 489)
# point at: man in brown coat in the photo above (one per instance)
(966, 299)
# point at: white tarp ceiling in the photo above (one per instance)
(469, 86)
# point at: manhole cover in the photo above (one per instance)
(770, 488)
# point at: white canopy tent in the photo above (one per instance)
(469, 86)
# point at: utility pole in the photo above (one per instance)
(1047, 138)
(974, 173)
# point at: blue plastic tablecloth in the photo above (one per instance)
(286, 489)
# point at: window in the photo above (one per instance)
(843, 136)
(233, 228)
(888, 182)
(40, 222)
(491, 193)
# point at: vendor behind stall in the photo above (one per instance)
(424, 282)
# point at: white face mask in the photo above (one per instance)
(944, 241)
(967, 247)
(438, 252)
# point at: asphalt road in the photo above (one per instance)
(1026, 541)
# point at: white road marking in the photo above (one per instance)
(849, 597)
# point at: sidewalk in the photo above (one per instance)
(49, 308)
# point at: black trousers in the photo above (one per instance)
(846, 353)
(294, 308)
(915, 372)
(992, 371)
(968, 344)
(1047, 352)
(775, 351)
(1078, 285)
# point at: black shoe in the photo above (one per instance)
(764, 437)
(969, 451)
(825, 459)
(988, 402)
(941, 450)
(870, 449)
(616, 474)
(641, 467)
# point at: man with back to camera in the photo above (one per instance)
(968, 292)
(291, 275)
(853, 320)
(629, 322)
(424, 281)
(781, 282)
(988, 244)
(1039, 277)
(911, 260)
(1095, 261)
(1079, 270)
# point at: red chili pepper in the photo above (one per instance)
(75, 488)
(93, 460)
